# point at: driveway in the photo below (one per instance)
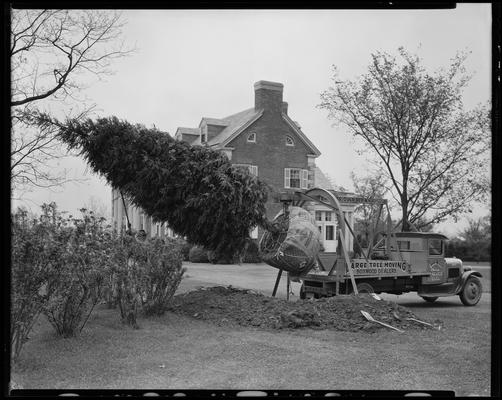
(261, 277)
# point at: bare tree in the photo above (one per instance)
(435, 154)
(53, 53)
(371, 187)
(97, 206)
(334, 185)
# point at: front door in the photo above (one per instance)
(325, 222)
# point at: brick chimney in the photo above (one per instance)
(285, 108)
(268, 96)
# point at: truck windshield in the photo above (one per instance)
(435, 247)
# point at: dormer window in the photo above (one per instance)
(252, 137)
(289, 141)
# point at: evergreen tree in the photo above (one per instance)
(193, 188)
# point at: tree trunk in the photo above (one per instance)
(405, 226)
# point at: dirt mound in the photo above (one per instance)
(229, 305)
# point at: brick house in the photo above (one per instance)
(266, 141)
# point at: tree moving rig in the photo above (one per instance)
(394, 262)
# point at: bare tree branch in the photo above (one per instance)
(434, 153)
(49, 50)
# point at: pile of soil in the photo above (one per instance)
(233, 306)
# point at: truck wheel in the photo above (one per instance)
(471, 292)
(364, 287)
(429, 299)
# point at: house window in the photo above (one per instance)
(327, 216)
(296, 178)
(252, 169)
(435, 247)
(318, 215)
(330, 232)
(252, 137)
(289, 141)
(403, 244)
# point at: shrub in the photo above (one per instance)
(164, 271)
(77, 276)
(215, 258)
(146, 275)
(57, 269)
(184, 247)
(126, 274)
(198, 255)
(31, 255)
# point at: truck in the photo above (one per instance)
(393, 262)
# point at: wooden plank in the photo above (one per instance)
(287, 287)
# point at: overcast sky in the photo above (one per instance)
(194, 64)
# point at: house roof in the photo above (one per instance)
(234, 123)
(320, 180)
(188, 131)
(430, 235)
(339, 193)
(302, 136)
(212, 121)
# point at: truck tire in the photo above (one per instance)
(429, 299)
(471, 292)
(364, 287)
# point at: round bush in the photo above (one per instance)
(183, 245)
(215, 258)
(198, 255)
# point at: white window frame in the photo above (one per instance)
(253, 135)
(295, 171)
(304, 175)
(291, 141)
(253, 169)
(304, 179)
(331, 230)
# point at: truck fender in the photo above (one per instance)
(466, 275)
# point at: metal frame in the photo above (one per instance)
(299, 198)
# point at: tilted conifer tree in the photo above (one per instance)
(193, 188)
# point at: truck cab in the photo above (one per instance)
(425, 252)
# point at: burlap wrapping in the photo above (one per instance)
(295, 247)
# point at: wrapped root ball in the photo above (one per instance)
(296, 244)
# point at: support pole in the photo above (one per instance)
(355, 238)
(347, 261)
(372, 232)
(288, 283)
(126, 214)
(277, 282)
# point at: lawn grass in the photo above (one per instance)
(179, 352)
